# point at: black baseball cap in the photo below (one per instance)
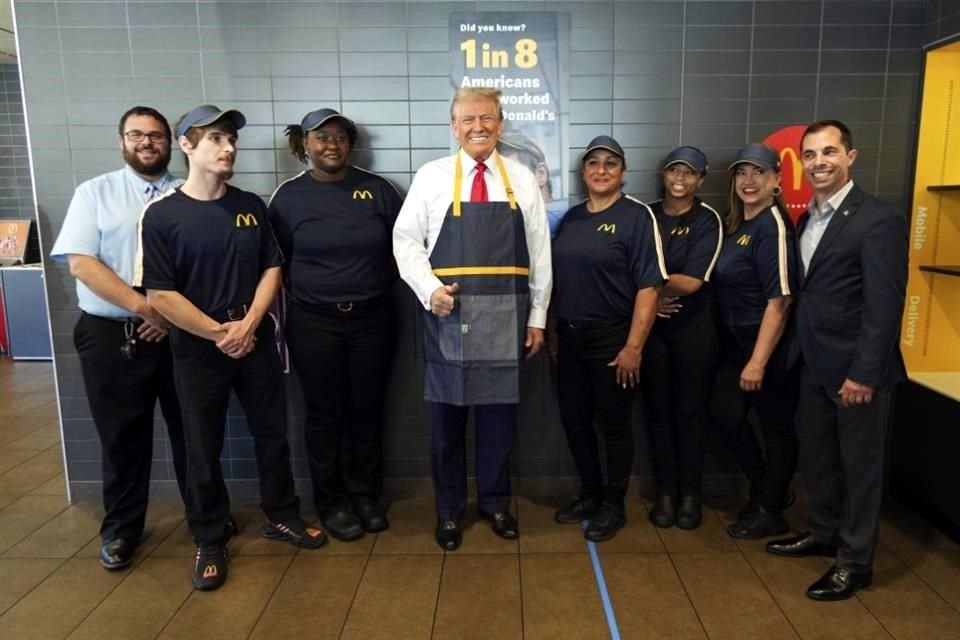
(207, 114)
(320, 117)
(603, 142)
(690, 156)
(759, 155)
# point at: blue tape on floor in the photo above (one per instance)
(602, 586)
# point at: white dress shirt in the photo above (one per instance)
(817, 223)
(425, 208)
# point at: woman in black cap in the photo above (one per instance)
(680, 357)
(754, 280)
(334, 224)
(608, 267)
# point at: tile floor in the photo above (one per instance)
(399, 586)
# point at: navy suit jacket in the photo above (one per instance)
(851, 297)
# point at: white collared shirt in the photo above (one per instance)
(818, 221)
(425, 208)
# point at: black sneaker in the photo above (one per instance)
(296, 532)
(210, 567)
(758, 524)
(577, 511)
(233, 528)
(605, 523)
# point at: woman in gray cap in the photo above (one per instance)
(680, 357)
(333, 224)
(754, 280)
(607, 269)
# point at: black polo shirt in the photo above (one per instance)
(691, 246)
(601, 260)
(336, 236)
(758, 262)
(211, 251)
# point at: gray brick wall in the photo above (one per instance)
(16, 196)
(716, 74)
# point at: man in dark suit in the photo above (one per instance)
(854, 253)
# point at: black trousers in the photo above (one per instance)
(495, 426)
(343, 362)
(205, 377)
(770, 468)
(841, 458)
(679, 363)
(122, 395)
(586, 386)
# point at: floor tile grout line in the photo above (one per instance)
(35, 529)
(772, 595)
(436, 604)
(35, 587)
(356, 589)
(686, 592)
(920, 578)
(266, 604)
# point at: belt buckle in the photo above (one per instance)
(345, 307)
(237, 313)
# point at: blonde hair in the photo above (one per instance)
(467, 94)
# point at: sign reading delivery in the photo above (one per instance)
(797, 192)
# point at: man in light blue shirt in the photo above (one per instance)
(120, 339)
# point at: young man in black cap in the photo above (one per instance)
(211, 266)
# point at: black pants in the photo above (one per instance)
(343, 361)
(774, 404)
(587, 386)
(679, 363)
(495, 426)
(841, 457)
(205, 377)
(122, 395)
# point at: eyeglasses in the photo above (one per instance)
(138, 136)
(339, 138)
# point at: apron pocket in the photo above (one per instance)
(490, 327)
(450, 337)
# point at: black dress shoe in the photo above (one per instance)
(664, 512)
(605, 524)
(504, 524)
(117, 553)
(342, 525)
(758, 524)
(373, 517)
(233, 529)
(577, 511)
(801, 546)
(689, 511)
(839, 584)
(448, 534)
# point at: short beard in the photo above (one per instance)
(156, 168)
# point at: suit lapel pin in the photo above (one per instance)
(846, 212)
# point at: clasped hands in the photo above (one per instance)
(236, 338)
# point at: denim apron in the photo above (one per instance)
(473, 355)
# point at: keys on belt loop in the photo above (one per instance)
(345, 307)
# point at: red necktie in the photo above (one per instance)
(478, 193)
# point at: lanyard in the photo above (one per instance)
(458, 185)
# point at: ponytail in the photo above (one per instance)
(295, 142)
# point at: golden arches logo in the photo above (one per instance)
(246, 220)
(13, 227)
(743, 240)
(797, 173)
(609, 228)
(362, 195)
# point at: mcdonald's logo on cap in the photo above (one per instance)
(246, 220)
(362, 195)
(609, 228)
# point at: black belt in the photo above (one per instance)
(342, 307)
(233, 314)
(122, 320)
(593, 324)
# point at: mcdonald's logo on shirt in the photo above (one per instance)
(362, 195)
(743, 240)
(246, 220)
(609, 228)
(680, 231)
